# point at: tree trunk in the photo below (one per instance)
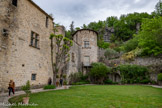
(54, 79)
(53, 69)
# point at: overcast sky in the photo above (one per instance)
(86, 11)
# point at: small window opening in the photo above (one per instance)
(47, 22)
(14, 2)
(86, 44)
(5, 32)
(33, 77)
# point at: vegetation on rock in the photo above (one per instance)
(133, 74)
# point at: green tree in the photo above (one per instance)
(68, 34)
(130, 45)
(102, 44)
(158, 8)
(77, 28)
(98, 72)
(26, 88)
(110, 53)
(125, 27)
(133, 74)
(84, 26)
(72, 27)
(63, 45)
(150, 36)
(110, 21)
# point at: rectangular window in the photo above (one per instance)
(14, 2)
(34, 42)
(47, 22)
(33, 77)
(86, 44)
(32, 38)
(5, 32)
(86, 61)
(37, 41)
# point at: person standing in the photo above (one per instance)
(61, 81)
(11, 87)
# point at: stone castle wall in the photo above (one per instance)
(80, 51)
(92, 51)
(19, 60)
(76, 65)
(154, 64)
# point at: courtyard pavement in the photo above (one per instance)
(156, 86)
(4, 96)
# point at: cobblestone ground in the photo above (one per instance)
(4, 96)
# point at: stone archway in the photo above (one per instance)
(117, 77)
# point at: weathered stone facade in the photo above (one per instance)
(154, 64)
(19, 60)
(83, 52)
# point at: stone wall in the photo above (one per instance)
(153, 63)
(76, 65)
(92, 51)
(18, 60)
(144, 61)
(78, 51)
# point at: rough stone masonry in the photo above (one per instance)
(24, 43)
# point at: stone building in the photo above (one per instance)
(83, 52)
(24, 43)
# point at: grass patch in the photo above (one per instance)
(16, 99)
(100, 96)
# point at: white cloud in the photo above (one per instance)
(86, 11)
(136, 1)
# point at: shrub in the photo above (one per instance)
(128, 56)
(81, 83)
(77, 77)
(57, 76)
(130, 45)
(98, 72)
(132, 54)
(133, 74)
(117, 49)
(108, 81)
(26, 88)
(115, 83)
(102, 44)
(49, 87)
(65, 82)
(160, 77)
(64, 76)
(110, 53)
(153, 82)
(145, 81)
